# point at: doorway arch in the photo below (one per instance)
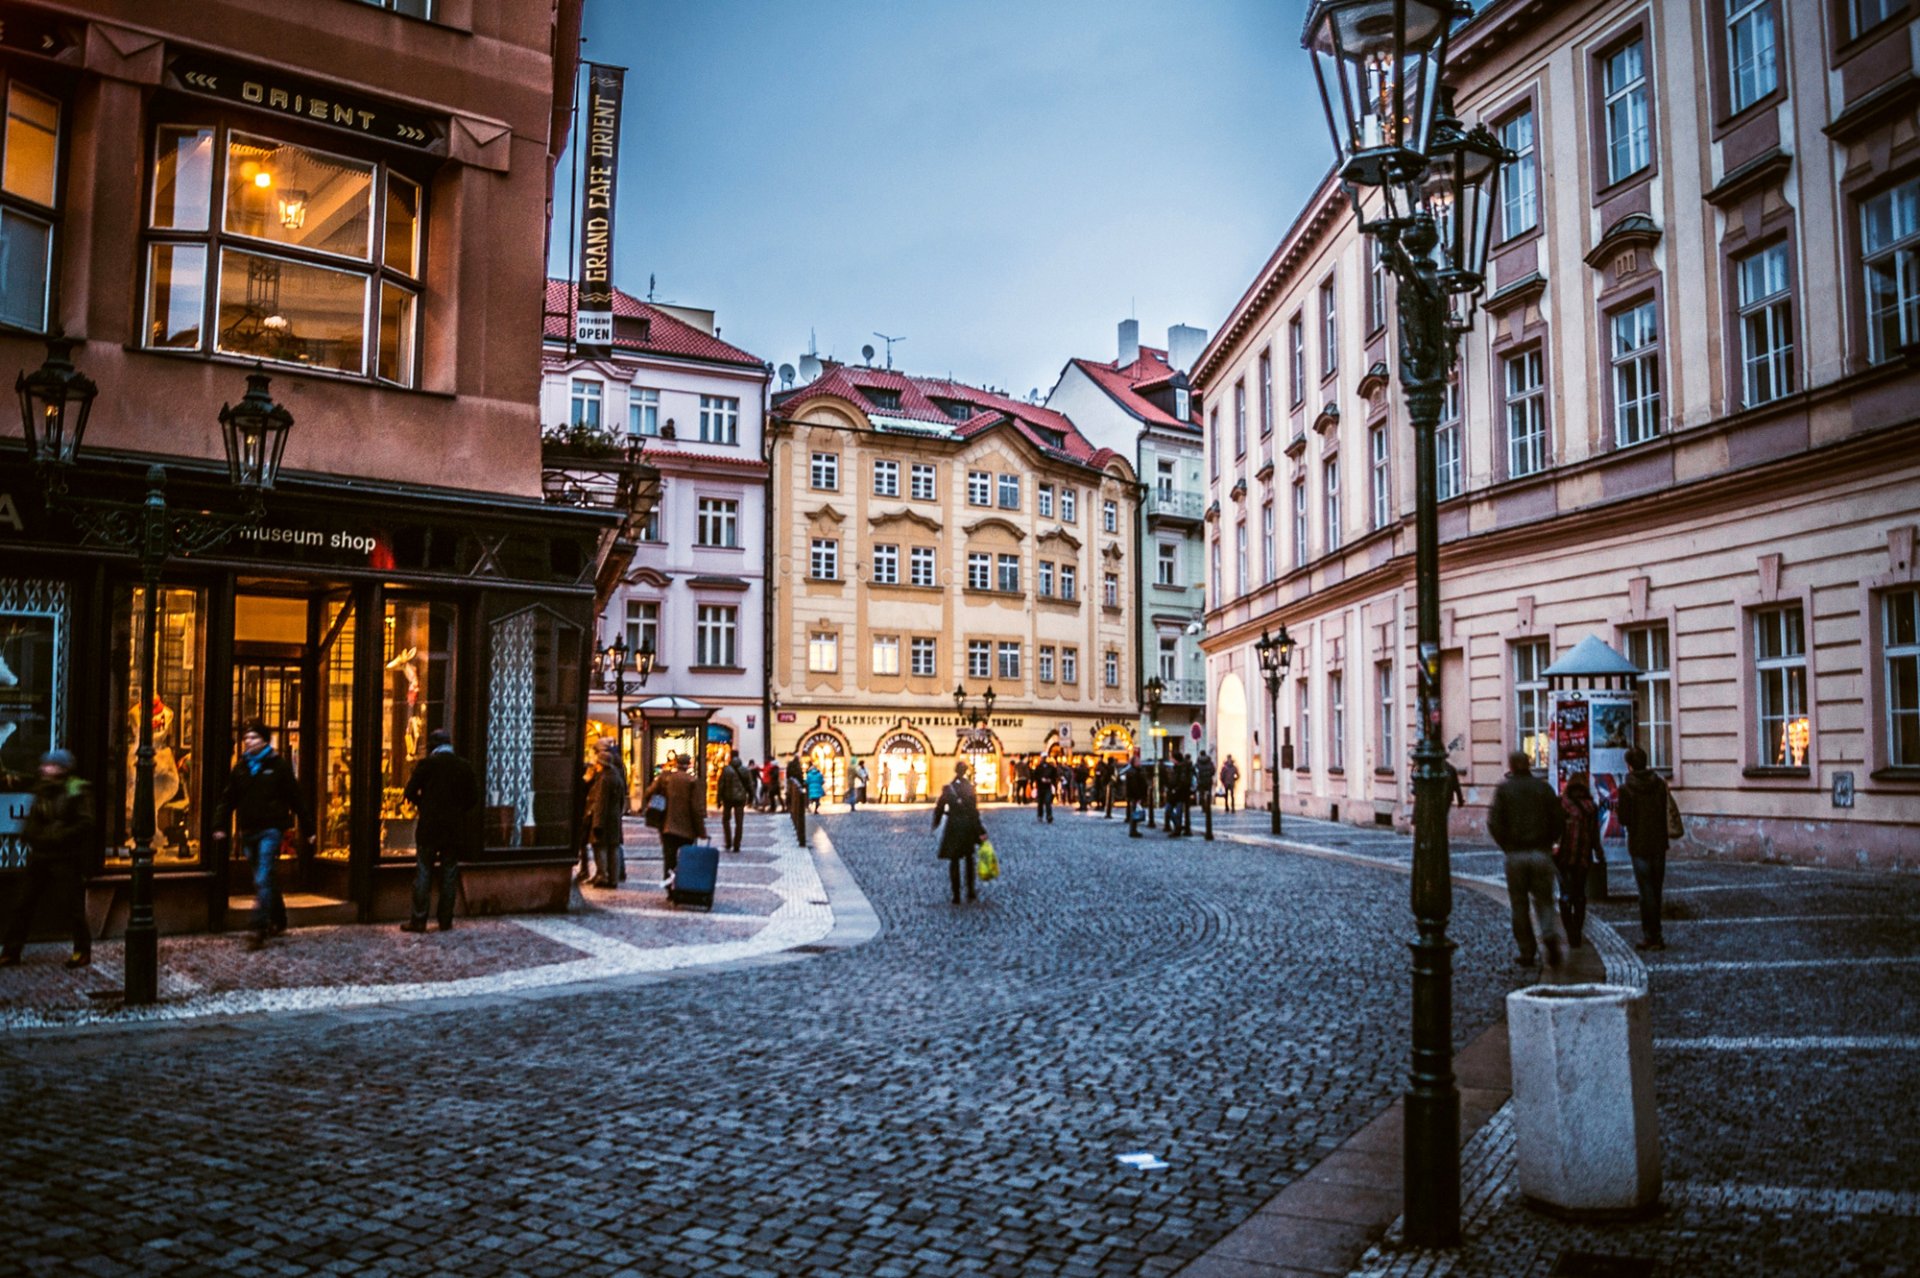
(1230, 736)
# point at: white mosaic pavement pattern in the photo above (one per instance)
(802, 917)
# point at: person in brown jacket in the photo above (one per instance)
(686, 820)
(606, 806)
(1578, 848)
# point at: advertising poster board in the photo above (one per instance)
(1592, 731)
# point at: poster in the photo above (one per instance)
(1592, 729)
(29, 693)
(593, 306)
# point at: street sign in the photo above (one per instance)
(1194, 732)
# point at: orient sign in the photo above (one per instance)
(31, 32)
(307, 100)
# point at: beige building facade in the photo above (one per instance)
(1685, 422)
(929, 536)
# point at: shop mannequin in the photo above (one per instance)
(166, 765)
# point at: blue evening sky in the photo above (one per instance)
(1000, 182)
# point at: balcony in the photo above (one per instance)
(1171, 506)
(598, 470)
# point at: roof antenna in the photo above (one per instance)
(649, 286)
(889, 341)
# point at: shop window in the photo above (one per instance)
(416, 698)
(178, 737)
(1780, 679)
(340, 634)
(29, 204)
(35, 640)
(313, 260)
(533, 729)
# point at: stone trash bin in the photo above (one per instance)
(1585, 1133)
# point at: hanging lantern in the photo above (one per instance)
(256, 436)
(55, 400)
(1379, 64)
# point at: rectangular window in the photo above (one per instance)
(1043, 665)
(979, 571)
(1379, 476)
(824, 564)
(1166, 564)
(1213, 443)
(1890, 235)
(1043, 502)
(1526, 413)
(719, 420)
(1269, 552)
(1110, 590)
(1766, 325)
(1376, 285)
(1111, 669)
(1168, 665)
(1070, 665)
(1164, 479)
(1532, 720)
(719, 522)
(1009, 492)
(1266, 393)
(1069, 506)
(1780, 678)
(1069, 582)
(1448, 478)
(1110, 516)
(1300, 522)
(1384, 759)
(1046, 579)
(921, 565)
(1900, 649)
(1623, 81)
(824, 472)
(643, 625)
(925, 661)
(650, 526)
(1008, 572)
(1240, 558)
(886, 655)
(715, 634)
(1240, 419)
(1329, 330)
(1297, 360)
(979, 488)
(1864, 15)
(1303, 727)
(1330, 485)
(979, 659)
(886, 565)
(1648, 648)
(643, 411)
(1219, 579)
(1519, 195)
(1750, 59)
(1337, 721)
(886, 479)
(1009, 660)
(921, 479)
(1636, 373)
(29, 183)
(586, 403)
(823, 652)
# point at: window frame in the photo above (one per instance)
(1641, 362)
(639, 407)
(1006, 573)
(1733, 13)
(1385, 697)
(720, 420)
(1006, 659)
(1069, 506)
(1380, 474)
(1525, 161)
(1758, 667)
(875, 665)
(1883, 759)
(823, 553)
(1605, 95)
(1907, 308)
(983, 667)
(1043, 663)
(823, 652)
(823, 466)
(919, 646)
(1333, 533)
(51, 216)
(979, 570)
(889, 486)
(1070, 665)
(1329, 317)
(1266, 392)
(980, 488)
(1297, 359)
(1007, 492)
(725, 514)
(1448, 455)
(1531, 399)
(586, 396)
(886, 563)
(919, 557)
(1240, 418)
(1530, 698)
(1775, 311)
(1653, 721)
(721, 624)
(923, 471)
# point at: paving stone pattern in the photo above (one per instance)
(947, 1098)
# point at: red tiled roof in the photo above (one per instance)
(917, 396)
(665, 334)
(1126, 384)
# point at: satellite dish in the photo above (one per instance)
(786, 374)
(866, 353)
(809, 366)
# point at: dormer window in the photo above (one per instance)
(957, 409)
(1054, 438)
(1182, 405)
(880, 397)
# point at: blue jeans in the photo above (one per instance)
(1649, 875)
(263, 854)
(424, 856)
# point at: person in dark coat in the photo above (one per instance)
(1525, 820)
(1136, 793)
(263, 799)
(1229, 781)
(959, 806)
(1103, 784)
(686, 813)
(1643, 812)
(1579, 846)
(606, 808)
(1081, 776)
(445, 792)
(1204, 776)
(1046, 778)
(735, 790)
(1179, 795)
(61, 843)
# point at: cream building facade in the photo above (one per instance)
(1685, 422)
(929, 536)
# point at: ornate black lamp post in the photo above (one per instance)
(1276, 655)
(1152, 693)
(976, 718)
(55, 401)
(623, 677)
(1423, 186)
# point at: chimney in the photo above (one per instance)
(1129, 341)
(1184, 344)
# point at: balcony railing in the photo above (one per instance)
(1172, 504)
(1183, 692)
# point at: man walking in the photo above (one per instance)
(736, 787)
(1229, 778)
(1526, 820)
(1136, 793)
(686, 818)
(1045, 778)
(61, 843)
(1203, 778)
(264, 800)
(1643, 811)
(445, 792)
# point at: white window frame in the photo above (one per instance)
(923, 566)
(979, 659)
(923, 657)
(1300, 522)
(643, 625)
(1043, 664)
(1900, 671)
(1624, 107)
(979, 570)
(1269, 549)
(1764, 287)
(1754, 73)
(1166, 563)
(1069, 582)
(1330, 493)
(823, 559)
(1633, 343)
(1110, 590)
(884, 655)
(1532, 710)
(1240, 558)
(1890, 262)
(1526, 411)
(1240, 418)
(586, 402)
(1651, 648)
(1070, 665)
(1112, 664)
(1297, 359)
(1336, 721)
(1007, 492)
(1329, 329)
(719, 419)
(1519, 177)
(1781, 685)
(716, 629)
(1379, 449)
(1044, 576)
(979, 488)
(886, 478)
(1069, 507)
(823, 652)
(886, 564)
(1266, 393)
(1384, 697)
(643, 411)
(1007, 659)
(718, 523)
(1006, 574)
(1449, 479)
(1110, 516)
(1043, 501)
(922, 480)
(823, 472)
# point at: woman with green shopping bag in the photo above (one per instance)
(960, 807)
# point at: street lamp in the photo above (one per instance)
(1380, 66)
(55, 401)
(615, 669)
(1152, 693)
(1276, 655)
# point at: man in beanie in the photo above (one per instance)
(263, 798)
(445, 792)
(59, 835)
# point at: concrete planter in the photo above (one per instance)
(1585, 1132)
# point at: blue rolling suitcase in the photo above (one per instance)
(695, 874)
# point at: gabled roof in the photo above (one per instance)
(918, 398)
(1127, 385)
(665, 334)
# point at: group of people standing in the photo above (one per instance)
(770, 795)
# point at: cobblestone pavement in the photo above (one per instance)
(1786, 1018)
(950, 1097)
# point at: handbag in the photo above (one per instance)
(987, 861)
(656, 815)
(1676, 828)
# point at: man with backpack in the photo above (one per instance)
(736, 788)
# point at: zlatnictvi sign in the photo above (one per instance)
(593, 301)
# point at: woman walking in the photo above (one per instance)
(1579, 846)
(960, 806)
(816, 787)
